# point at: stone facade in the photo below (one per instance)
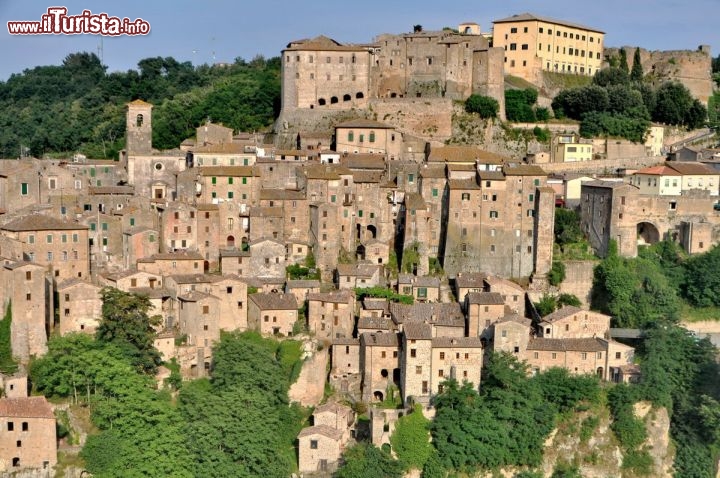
(80, 306)
(28, 440)
(272, 314)
(331, 315)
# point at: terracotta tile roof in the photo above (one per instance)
(470, 280)
(256, 211)
(139, 102)
(568, 345)
(515, 318)
(174, 256)
(456, 342)
(419, 331)
(374, 323)
(363, 161)
(195, 278)
(373, 303)
(322, 43)
(530, 17)
(415, 202)
(332, 407)
(693, 169)
(426, 281)
(432, 171)
(432, 313)
(524, 170)
(332, 433)
(460, 167)
(493, 281)
(384, 339)
(462, 184)
(196, 296)
(338, 296)
(68, 283)
(40, 222)
(358, 270)
(367, 176)
(562, 313)
(16, 265)
(326, 171)
(271, 301)
(281, 194)
(659, 171)
(485, 298)
(491, 175)
(303, 284)
(260, 240)
(464, 154)
(234, 253)
(28, 407)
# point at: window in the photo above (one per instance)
(441, 373)
(618, 355)
(31, 239)
(413, 353)
(28, 296)
(442, 355)
(583, 356)
(524, 46)
(418, 369)
(372, 136)
(434, 192)
(465, 196)
(513, 30)
(554, 355)
(351, 136)
(513, 46)
(49, 238)
(493, 214)
(313, 444)
(24, 189)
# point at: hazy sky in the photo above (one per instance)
(221, 30)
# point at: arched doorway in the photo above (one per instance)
(647, 233)
(372, 231)
(378, 396)
(600, 373)
(360, 252)
(230, 241)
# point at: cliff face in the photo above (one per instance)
(691, 68)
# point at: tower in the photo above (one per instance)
(138, 128)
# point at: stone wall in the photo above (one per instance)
(691, 68)
(603, 166)
(578, 280)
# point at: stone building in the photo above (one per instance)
(169, 263)
(28, 440)
(483, 309)
(320, 448)
(571, 322)
(79, 305)
(379, 364)
(368, 136)
(331, 315)
(272, 313)
(350, 276)
(534, 43)
(618, 211)
(494, 223)
(60, 246)
(345, 356)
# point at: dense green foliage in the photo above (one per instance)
(365, 460)
(298, 272)
(383, 293)
(140, 430)
(125, 323)
(680, 372)
(508, 421)
(623, 63)
(636, 74)
(702, 278)
(549, 303)
(519, 105)
(484, 106)
(618, 104)
(635, 292)
(7, 363)
(411, 439)
(557, 273)
(78, 106)
(239, 423)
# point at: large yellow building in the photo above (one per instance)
(534, 43)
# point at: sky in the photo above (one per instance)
(221, 30)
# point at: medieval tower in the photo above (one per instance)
(139, 128)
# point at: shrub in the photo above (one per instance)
(557, 273)
(484, 106)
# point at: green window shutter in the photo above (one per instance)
(230, 180)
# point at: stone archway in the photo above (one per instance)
(647, 233)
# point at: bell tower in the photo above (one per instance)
(138, 129)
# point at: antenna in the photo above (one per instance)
(101, 52)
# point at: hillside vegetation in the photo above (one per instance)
(79, 107)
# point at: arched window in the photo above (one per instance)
(347, 97)
(139, 120)
(333, 100)
(321, 101)
(359, 95)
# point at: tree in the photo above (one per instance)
(484, 106)
(568, 299)
(566, 391)
(557, 273)
(410, 440)
(637, 70)
(125, 323)
(363, 460)
(611, 76)
(675, 105)
(567, 227)
(519, 105)
(702, 278)
(546, 306)
(623, 61)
